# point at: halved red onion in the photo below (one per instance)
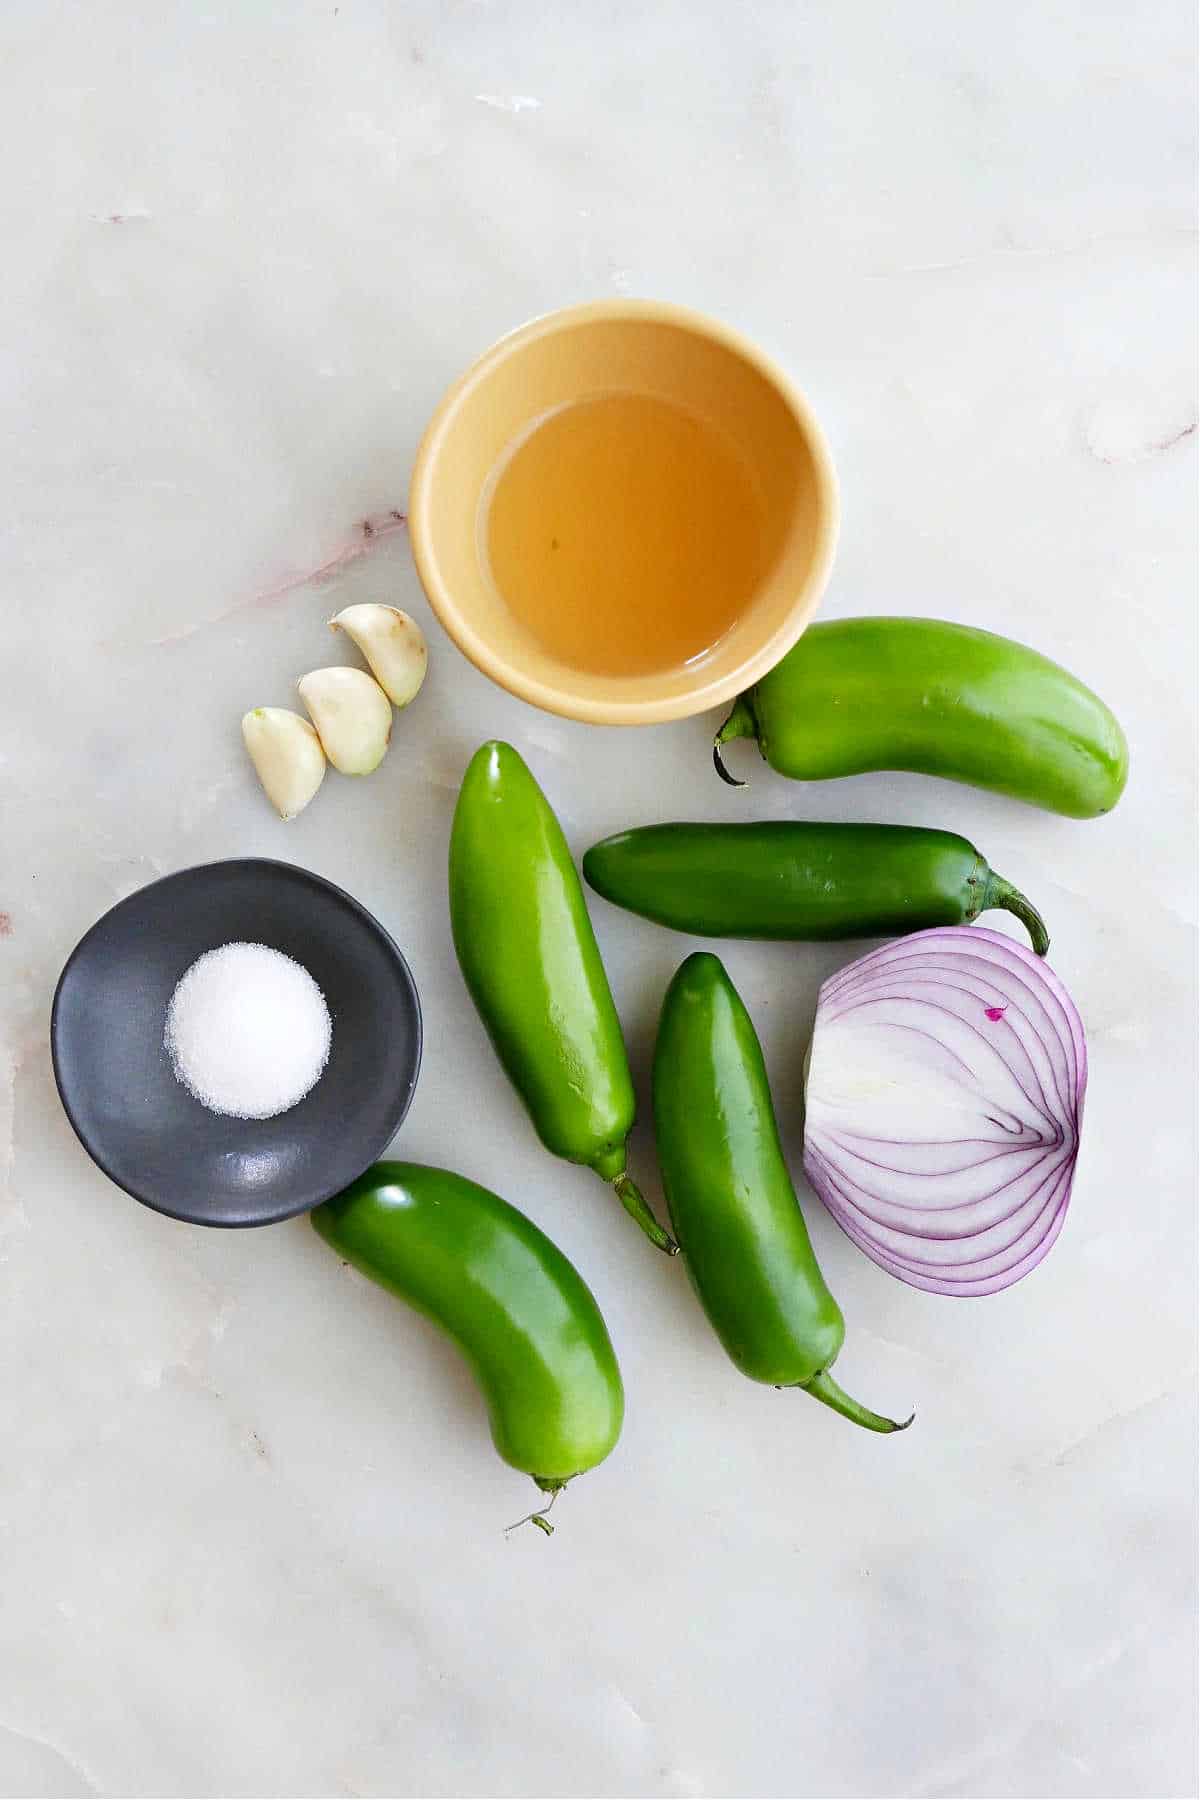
(943, 1102)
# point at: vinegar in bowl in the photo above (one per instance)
(624, 533)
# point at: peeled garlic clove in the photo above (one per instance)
(287, 756)
(353, 717)
(393, 644)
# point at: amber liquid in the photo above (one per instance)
(625, 534)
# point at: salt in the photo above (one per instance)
(247, 1031)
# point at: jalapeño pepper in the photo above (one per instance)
(519, 1311)
(787, 879)
(732, 1203)
(529, 958)
(939, 699)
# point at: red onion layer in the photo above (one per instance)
(943, 1104)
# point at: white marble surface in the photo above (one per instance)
(249, 1516)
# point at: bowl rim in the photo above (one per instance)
(558, 697)
(148, 1196)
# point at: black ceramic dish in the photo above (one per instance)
(145, 1129)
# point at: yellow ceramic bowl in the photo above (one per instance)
(631, 346)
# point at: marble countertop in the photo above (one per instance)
(250, 1520)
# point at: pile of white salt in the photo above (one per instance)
(247, 1031)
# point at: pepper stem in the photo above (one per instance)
(740, 723)
(824, 1388)
(539, 1518)
(999, 892)
(630, 1196)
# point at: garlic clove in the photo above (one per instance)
(393, 644)
(287, 756)
(353, 717)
